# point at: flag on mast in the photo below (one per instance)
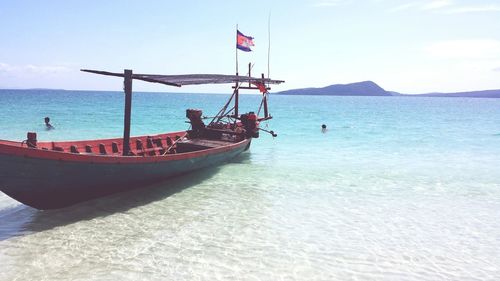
(243, 42)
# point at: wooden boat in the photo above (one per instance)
(50, 175)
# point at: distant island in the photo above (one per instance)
(370, 88)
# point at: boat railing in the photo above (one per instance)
(140, 146)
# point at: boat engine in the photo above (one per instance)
(197, 125)
(249, 121)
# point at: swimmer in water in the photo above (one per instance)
(47, 124)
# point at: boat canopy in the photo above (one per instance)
(190, 79)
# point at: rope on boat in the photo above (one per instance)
(171, 146)
(222, 113)
(264, 96)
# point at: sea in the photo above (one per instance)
(397, 188)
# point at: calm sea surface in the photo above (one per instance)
(398, 188)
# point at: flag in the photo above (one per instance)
(243, 42)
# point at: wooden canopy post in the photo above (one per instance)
(127, 83)
(266, 112)
(249, 73)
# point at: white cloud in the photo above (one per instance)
(437, 4)
(32, 69)
(403, 7)
(4, 67)
(441, 78)
(421, 5)
(474, 9)
(327, 3)
(46, 69)
(445, 6)
(465, 49)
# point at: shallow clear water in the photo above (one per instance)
(398, 188)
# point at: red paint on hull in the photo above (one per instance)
(48, 179)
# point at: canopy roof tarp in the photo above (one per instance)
(190, 79)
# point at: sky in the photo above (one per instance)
(403, 45)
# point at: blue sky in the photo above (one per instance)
(405, 46)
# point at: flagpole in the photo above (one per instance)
(236, 86)
(236, 48)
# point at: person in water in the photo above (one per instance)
(47, 124)
(323, 128)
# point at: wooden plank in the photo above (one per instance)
(208, 143)
(250, 88)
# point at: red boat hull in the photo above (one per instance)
(47, 179)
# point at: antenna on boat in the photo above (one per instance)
(268, 43)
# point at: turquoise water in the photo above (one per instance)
(398, 188)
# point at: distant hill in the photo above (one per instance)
(366, 88)
(369, 88)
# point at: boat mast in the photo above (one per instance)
(127, 86)
(236, 88)
(236, 98)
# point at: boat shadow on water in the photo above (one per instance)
(22, 220)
